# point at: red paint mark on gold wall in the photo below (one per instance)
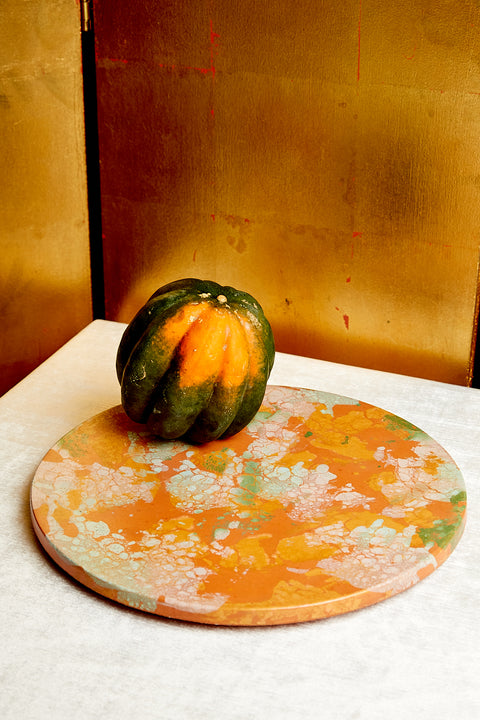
(346, 318)
(359, 37)
(213, 47)
(205, 70)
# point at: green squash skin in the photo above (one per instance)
(147, 363)
(208, 412)
(217, 417)
(199, 413)
(153, 309)
(256, 385)
(254, 395)
(149, 375)
(254, 313)
(175, 412)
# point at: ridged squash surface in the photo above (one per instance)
(195, 360)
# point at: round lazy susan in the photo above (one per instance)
(322, 505)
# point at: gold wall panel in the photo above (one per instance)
(44, 246)
(322, 156)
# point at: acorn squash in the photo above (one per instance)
(195, 360)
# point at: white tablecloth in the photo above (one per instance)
(70, 654)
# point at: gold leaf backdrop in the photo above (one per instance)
(322, 156)
(45, 293)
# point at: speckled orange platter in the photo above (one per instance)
(323, 505)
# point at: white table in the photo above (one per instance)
(67, 653)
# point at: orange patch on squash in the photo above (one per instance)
(173, 330)
(202, 348)
(236, 356)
